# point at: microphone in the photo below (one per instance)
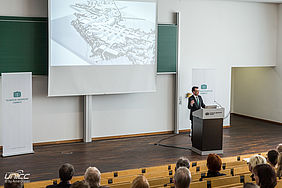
(218, 104)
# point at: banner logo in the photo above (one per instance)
(17, 94)
(204, 86)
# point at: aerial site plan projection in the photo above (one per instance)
(102, 32)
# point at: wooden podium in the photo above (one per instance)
(207, 134)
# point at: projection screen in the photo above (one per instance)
(102, 47)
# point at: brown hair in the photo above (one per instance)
(272, 157)
(266, 175)
(140, 182)
(214, 162)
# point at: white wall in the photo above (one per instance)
(214, 34)
(136, 113)
(222, 34)
(257, 91)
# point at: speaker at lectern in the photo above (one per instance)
(208, 130)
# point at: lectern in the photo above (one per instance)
(207, 131)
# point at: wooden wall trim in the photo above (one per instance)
(131, 135)
(100, 138)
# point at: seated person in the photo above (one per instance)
(182, 161)
(93, 177)
(182, 177)
(255, 160)
(279, 166)
(214, 166)
(272, 157)
(66, 173)
(250, 185)
(279, 148)
(80, 184)
(140, 182)
(265, 176)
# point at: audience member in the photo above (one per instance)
(93, 177)
(80, 184)
(214, 166)
(279, 148)
(255, 160)
(182, 177)
(140, 182)
(272, 157)
(279, 166)
(66, 173)
(265, 176)
(182, 161)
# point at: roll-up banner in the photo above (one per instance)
(16, 114)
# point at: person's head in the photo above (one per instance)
(195, 90)
(182, 161)
(92, 176)
(272, 157)
(13, 185)
(214, 163)
(279, 166)
(182, 177)
(256, 160)
(13, 181)
(279, 148)
(265, 176)
(140, 182)
(80, 184)
(250, 185)
(66, 172)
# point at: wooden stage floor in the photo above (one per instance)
(245, 136)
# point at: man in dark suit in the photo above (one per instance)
(195, 102)
(66, 173)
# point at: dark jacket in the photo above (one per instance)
(60, 185)
(195, 105)
(212, 174)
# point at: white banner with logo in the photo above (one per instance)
(205, 80)
(16, 118)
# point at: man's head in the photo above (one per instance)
(92, 176)
(182, 177)
(195, 90)
(66, 172)
(182, 161)
(272, 157)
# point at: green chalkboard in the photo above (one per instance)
(167, 48)
(24, 45)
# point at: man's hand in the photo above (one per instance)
(192, 102)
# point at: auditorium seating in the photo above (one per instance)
(235, 168)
